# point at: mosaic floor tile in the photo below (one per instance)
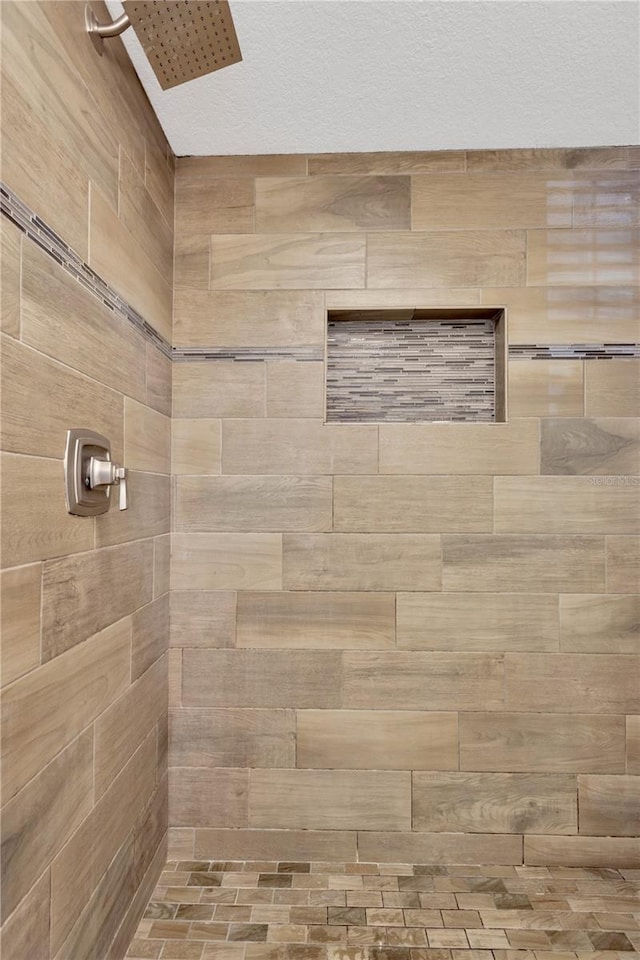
(267, 910)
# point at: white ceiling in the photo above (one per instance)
(322, 76)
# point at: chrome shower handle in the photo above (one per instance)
(105, 473)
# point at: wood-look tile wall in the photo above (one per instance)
(406, 641)
(85, 602)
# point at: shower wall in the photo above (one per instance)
(85, 602)
(406, 642)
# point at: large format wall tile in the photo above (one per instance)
(460, 448)
(413, 504)
(599, 624)
(191, 790)
(203, 618)
(546, 388)
(226, 390)
(253, 504)
(401, 847)
(351, 561)
(332, 203)
(272, 844)
(219, 737)
(26, 932)
(495, 803)
(196, 447)
(542, 742)
(214, 205)
(609, 806)
(20, 612)
(422, 681)
(605, 257)
(592, 447)
(633, 744)
(377, 739)
(147, 438)
(393, 162)
(494, 258)
(623, 564)
(543, 563)
(477, 621)
(287, 261)
(324, 621)
(564, 505)
(226, 561)
(582, 851)
(559, 683)
(330, 799)
(298, 447)
(10, 251)
(612, 389)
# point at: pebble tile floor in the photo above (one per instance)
(203, 910)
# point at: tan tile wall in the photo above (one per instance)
(406, 641)
(85, 603)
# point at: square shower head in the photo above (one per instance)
(184, 39)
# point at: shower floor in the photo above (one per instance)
(203, 910)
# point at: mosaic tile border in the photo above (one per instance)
(47, 239)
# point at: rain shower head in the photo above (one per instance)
(182, 40)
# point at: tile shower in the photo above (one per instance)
(392, 646)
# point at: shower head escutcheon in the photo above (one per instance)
(182, 40)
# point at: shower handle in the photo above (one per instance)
(105, 473)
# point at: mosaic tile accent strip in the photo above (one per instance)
(410, 370)
(244, 354)
(574, 351)
(263, 910)
(41, 234)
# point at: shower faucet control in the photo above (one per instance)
(90, 474)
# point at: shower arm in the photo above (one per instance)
(100, 31)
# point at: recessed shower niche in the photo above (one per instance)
(416, 365)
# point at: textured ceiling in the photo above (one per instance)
(324, 76)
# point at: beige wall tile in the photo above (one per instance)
(295, 389)
(159, 171)
(180, 843)
(203, 618)
(592, 257)
(256, 678)
(518, 563)
(226, 561)
(117, 256)
(599, 624)
(251, 504)
(593, 158)
(47, 709)
(149, 635)
(37, 821)
(593, 447)
(77, 869)
(558, 683)
(213, 205)
(121, 729)
(446, 259)
(495, 803)
(608, 852)
(203, 797)
(147, 434)
(262, 165)
(195, 447)
(148, 513)
(413, 504)
(439, 848)
(564, 505)
(460, 448)
(191, 262)
(476, 201)
(286, 205)
(250, 318)
(272, 844)
(386, 163)
(287, 261)
(330, 799)
(26, 932)
(175, 677)
(202, 737)
(437, 681)
(623, 564)
(349, 561)
(477, 621)
(84, 593)
(546, 388)
(20, 611)
(569, 314)
(139, 213)
(220, 389)
(633, 744)
(38, 526)
(298, 447)
(36, 421)
(609, 806)
(377, 739)
(325, 621)
(10, 241)
(161, 565)
(158, 374)
(40, 170)
(612, 388)
(610, 199)
(541, 742)
(408, 298)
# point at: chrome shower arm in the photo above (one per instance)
(99, 31)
